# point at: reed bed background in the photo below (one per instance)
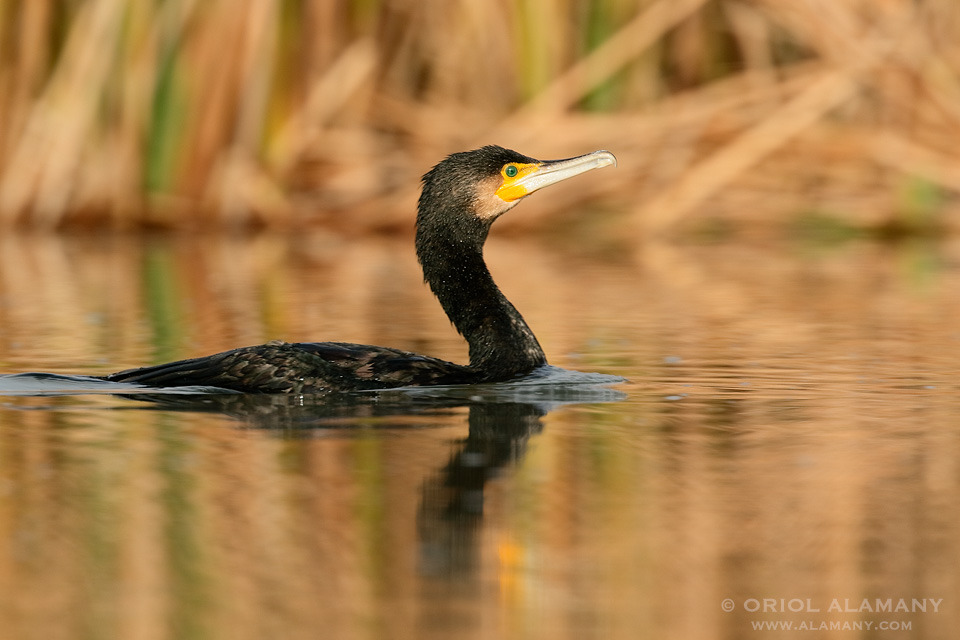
(128, 113)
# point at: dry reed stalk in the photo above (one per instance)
(623, 47)
(264, 112)
(45, 159)
(703, 179)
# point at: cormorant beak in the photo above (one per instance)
(530, 177)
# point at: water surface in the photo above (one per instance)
(787, 431)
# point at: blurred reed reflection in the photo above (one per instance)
(788, 431)
(157, 521)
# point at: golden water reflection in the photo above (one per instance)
(788, 433)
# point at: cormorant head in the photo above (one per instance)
(478, 186)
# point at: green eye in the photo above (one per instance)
(511, 171)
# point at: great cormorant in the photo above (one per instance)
(461, 197)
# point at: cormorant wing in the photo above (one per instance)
(305, 367)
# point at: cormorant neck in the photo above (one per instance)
(502, 346)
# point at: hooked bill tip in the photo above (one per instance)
(605, 158)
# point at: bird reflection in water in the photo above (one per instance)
(501, 420)
(451, 506)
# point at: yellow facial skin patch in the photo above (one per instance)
(520, 180)
(513, 174)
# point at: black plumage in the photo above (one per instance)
(461, 197)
